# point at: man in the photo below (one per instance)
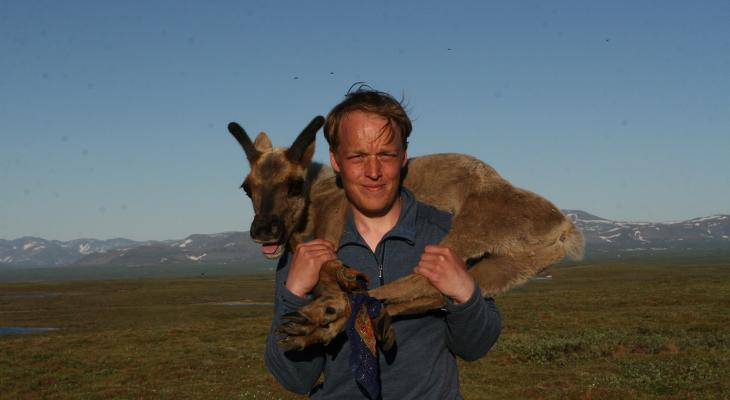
(388, 234)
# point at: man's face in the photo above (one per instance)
(369, 158)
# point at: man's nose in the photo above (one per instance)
(373, 169)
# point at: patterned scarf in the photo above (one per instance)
(364, 353)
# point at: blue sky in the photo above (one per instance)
(113, 114)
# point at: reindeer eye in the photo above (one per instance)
(246, 188)
(296, 188)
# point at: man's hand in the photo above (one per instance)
(446, 272)
(306, 263)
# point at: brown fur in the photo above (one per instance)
(509, 234)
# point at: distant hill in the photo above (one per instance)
(604, 239)
(219, 248)
(34, 251)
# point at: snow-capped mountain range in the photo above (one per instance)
(604, 239)
(219, 248)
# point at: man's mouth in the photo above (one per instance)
(373, 188)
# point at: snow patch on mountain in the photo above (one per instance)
(637, 236)
(608, 238)
(196, 258)
(32, 246)
(709, 218)
(85, 248)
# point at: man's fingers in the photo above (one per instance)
(314, 249)
(426, 267)
(446, 271)
(321, 255)
(430, 264)
(325, 255)
(432, 258)
(425, 271)
(419, 269)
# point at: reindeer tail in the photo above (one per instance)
(574, 243)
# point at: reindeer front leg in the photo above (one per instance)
(495, 274)
(325, 317)
(410, 295)
(413, 294)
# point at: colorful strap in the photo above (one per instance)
(364, 355)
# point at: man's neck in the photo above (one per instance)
(372, 229)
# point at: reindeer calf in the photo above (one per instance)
(507, 234)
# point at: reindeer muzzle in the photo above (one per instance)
(269, 231)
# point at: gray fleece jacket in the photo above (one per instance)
(422, 364)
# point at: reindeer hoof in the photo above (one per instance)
(292, 343)
(294, 329)
(317, 322)
(295, 317)
(383, 331)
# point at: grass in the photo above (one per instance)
(606, 331)
(16, 274)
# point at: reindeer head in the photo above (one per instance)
(277, 185)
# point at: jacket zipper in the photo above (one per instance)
(380, 274)
(380, 264)
(380, 269)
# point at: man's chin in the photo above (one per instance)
(373, 209)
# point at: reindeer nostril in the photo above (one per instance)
(268, 228)
(260, 228)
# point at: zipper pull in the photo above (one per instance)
(380, 274)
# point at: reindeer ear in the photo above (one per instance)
(302, 150)
(243, 139)
(262, 142)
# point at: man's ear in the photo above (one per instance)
(333, 162)
(405, 159)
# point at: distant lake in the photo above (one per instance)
(9, 330)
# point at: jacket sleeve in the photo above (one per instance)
(472, 327)
(297, 371)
